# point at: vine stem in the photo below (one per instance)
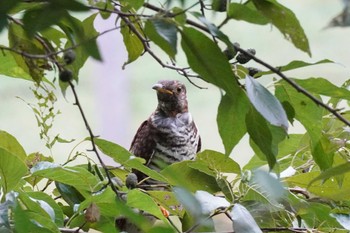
(92, 139)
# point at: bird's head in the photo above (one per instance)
(171, 97)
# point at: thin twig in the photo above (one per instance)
(218, 211)
(295, 85)
(92, 139)
(67, 230)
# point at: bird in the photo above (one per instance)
(170, 134)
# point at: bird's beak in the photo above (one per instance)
(159, 87)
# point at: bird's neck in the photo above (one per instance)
(170, 109)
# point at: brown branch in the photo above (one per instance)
(295, 85)
(270, 67)
(67, 230)
(92, 139)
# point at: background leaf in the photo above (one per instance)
(266, 103)
(243, 221)
(78, 177)
(260, 136)
(214, 163)
(140, 200)
(180, 174)
(12, 169)
(206, 59)
(231, 125)
(286, 21)
(310, 115)
(10, 143)
(246, 12)
(163, 32)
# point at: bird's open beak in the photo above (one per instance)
(159, 87)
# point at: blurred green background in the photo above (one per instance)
(116, 101)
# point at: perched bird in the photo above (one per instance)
(170, 134)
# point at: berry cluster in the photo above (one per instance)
(241, 58)
(66, 75)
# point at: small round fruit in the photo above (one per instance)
(253, 71)
(66, 75)
(131, 181)
(69, 56)
(244, 58)
(219, 5)
(231, 52)
(117, 182)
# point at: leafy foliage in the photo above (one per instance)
(296, 182)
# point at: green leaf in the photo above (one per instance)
(140, 200)
(266, 103)
(285, 20)
(180, 174)
(205, 58)
(12, 169)
(191, 204)
(214, 163)
(32, 222)
(69, 194)
(318, 214)
(260, 136)
(297, 64)
(115, 151)
(10, 143)
(106, 201)
(231, 119)
(135, 4)
(42, 17)
(6, 7)
(329, 189)
(78, 177)
(163, 33)
(41, 196)
(125, 158)
(334, 171)
(269, 186)
(19, 40)
(243, 221)
(167, 200)
(246, 12)
(133, 44)
(310, 115)
(71, 5)
(10, 67)
(322, 86)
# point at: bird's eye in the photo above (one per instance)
(179, 89)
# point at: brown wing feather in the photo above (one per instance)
(143, 144)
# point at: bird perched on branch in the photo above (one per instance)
(170, 134)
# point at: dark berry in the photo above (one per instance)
(66, 75)
(244, 58)
(69, 56)
(253, 71)
(231, 52)
(219, 5)
(131, 181)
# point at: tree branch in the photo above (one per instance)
(295, 85)
(92, 139)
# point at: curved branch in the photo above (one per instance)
(270, 67)
(92, 139)
(295, 85)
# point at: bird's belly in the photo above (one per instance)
(173, 148)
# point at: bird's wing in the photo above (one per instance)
(143, 143)
(199, 146)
